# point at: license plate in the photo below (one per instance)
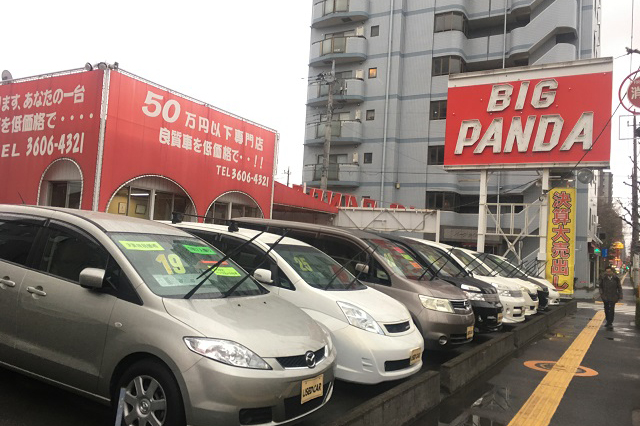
(500, 317)
(311, 389)
(469, 332)
(416, 355)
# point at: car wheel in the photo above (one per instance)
(152, 396)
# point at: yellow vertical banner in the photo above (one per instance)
(561, 239)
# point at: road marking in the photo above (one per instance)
(543, 402)
(546, 366)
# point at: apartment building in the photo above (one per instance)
(392, 60)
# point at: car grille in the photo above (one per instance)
(516, 293)
(400, 364)
(492, 297)
(461, 304)
(456, 339)
(397, 328)
(293, 408)
(299, 361)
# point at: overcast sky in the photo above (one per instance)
(248, 57)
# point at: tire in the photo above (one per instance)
(152, 396)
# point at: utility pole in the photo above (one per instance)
(330, 80)
(288, 173)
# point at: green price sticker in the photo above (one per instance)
(226, 271)
(406, 256)
(141, 245)
(199, 249)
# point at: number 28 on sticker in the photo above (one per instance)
(172, 263)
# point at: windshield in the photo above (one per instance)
(497, 267)
(317, 269)
(440, 260)
(170, 266)
(473, 264)
(395, 257)
(511, 270)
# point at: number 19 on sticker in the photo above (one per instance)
(172, 263)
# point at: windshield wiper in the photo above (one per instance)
(342, 267)
(207, 272)
(258, 263)
(445, 262)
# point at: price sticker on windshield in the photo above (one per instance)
(226, 271)
(199, 249)
(406, 256)
(141, 245)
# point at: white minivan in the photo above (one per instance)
(374, 335)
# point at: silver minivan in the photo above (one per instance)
(441, 311)
(128, 310)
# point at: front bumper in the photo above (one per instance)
(488, 315)
(513, 309)
(531, 303)
(442, 330)
(369, 358)
(221, 394)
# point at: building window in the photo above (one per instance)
(368, 157)
(445, 65)
(335, 42)
(373, 72)
(438, 110)
(451, 21)
(371, 114)
(65, 194)
(375, 31)
(436, 155)
(334, 6)
(442, 200)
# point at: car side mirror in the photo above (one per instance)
(362, 268)
(92, 278)
(263, 276)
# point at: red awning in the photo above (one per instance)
(286, 198)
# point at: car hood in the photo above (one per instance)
(441, 289)
(266, 324)
(506, 282)
(482, 285)
(381, 307)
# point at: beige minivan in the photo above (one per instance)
(133, 311)
(441, 311)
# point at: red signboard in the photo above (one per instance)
(535, 117)
(153, 132)
(44, 120)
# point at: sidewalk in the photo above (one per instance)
(605, 390)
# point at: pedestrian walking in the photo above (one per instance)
(610, 293)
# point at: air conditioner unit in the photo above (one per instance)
(360, 31)
(358, 114)
(360, 74)
(355, 157)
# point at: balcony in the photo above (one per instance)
(328, 13)
(341, 49)
(341, 175)
(342, 133)
(348, 91)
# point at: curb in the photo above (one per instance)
(414, 397)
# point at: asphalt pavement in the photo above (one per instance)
(605, 389)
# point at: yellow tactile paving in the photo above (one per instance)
(543, 402)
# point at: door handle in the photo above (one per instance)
(6, 281)
(37, 290)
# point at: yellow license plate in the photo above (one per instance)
(311, 389)
(469, 332)
(416, 355)
(500, 317)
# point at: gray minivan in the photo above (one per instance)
(441, 311)
(123, 309)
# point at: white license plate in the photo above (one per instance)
(469, 332)
(500, 317)
(311, 389)
(416, 355)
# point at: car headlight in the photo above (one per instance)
(226, 352)
(435, 304)
(359, 318)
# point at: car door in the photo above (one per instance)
(17, 236)
(62, 326)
